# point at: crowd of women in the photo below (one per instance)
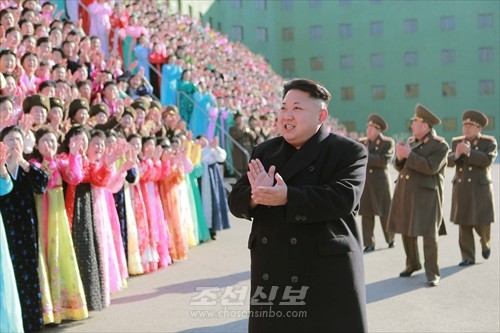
(100, 180)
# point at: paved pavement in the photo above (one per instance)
(467, 300)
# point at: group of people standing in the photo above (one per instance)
(415, 208)
(303, 189)
(94, 203)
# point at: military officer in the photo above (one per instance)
(417, 203)
(376, 198)
(472, 198)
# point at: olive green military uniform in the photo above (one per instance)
(472, 205)
(417, 203)
(376, 198)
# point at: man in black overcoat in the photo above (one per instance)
(302, 193)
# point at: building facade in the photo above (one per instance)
(378, 55)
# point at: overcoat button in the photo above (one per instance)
(294, 279)
(460, 169)
(470, 168)
(460, 180)
(407, 177)
(311, 168)
(371, 170)
(263, 240)
(297, 218)
(293, 241)
(401, 176)
(265, 276)
(469, 180)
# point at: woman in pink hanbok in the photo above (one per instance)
(106, 219)
(63, 296)
(151, 170)
(145, 237)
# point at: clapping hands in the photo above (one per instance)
(264, 191)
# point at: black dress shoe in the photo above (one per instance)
(392, 244)
(466, 262)
(486, 254)
(407, 272)
(369, 249)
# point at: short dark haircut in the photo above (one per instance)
(45, 84)
(9, 129)
(7, 52)
(73, 131)
(42, 40)
(313, 88)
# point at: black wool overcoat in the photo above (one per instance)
(306, 256)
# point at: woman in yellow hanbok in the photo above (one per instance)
(63, 296)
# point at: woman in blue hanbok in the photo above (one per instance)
(10, 308)
(141, 53)
(170, 73)
(186, 89)
(203, 101)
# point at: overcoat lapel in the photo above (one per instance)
(304, 156)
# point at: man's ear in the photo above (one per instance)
(323, 115)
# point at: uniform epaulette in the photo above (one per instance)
(438, 138)
(459, 138)
(488, 137)
(362, 139)
(386, 138)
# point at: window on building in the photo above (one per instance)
(486, 87)
(350, 126)
(317, 63)
(485, 20)
(378, 92)
(412, 90)
(408, 124)
(261, 34)
(411, 59)
(377, 60)
(289, 66)
(287, 34)
(316, 32)
(449, 89)
(345, 30)
(491, 123)
(346, 61)
(286, 4)
(347, 93)
(237, 3)
(261, 4)
(448, 57)
(377, 28)
(447, 23)
(450, 124)
(410, 26)
(219, 26)
(237, 32)
(486, 54)
(315, 3)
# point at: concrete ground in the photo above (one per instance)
(172, 299)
